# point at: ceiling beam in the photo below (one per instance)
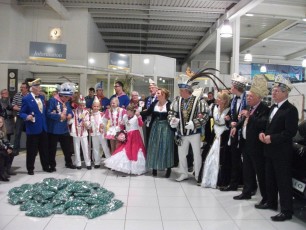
(269, 33)
(145, 7)
(168, 46)
(149, 39)
(152, 22)
(240, 8)
(298, 54)
(139, 31)
(136, 50)
(58, 8)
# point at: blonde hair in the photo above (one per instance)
(224, 97)
(115, 99)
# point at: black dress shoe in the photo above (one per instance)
(97, 166)
(11, 173)
(228, 188)
(154, 172)
(48, 170)
(242, 197)
(88, 167)
(3, 178)
(79, 167)
(53, 169)
(266, 206)
(168, 173)
(71, 166)
(31, 173)
(281, 217)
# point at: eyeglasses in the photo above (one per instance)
(116, 86)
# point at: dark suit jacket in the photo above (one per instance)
(29, 105)
(256, 124)
(282, 128)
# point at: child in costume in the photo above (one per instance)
(129, 157)
(113, 116)
(79, 125)
(96, 133)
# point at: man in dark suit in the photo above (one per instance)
(277, 139)
(33, 112)
(255, 120)
(237, 105)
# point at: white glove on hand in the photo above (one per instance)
(189, 125)
(174, 122)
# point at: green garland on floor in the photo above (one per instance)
(58, 196)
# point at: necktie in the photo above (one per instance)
(39, 103)
(36, 97)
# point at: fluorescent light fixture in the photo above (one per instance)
(248, 57)
(304, 62)
(263, 69)
(91, 61)
(304, 19)
(146, 61)
(249, 15)
(121, 62)
(226, 30)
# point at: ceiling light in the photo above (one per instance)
(146, 61)
(263, 69)
(304, 19)
(304, 62)
(248, 57)
(226, 30)
(91, 61)
(249, 15)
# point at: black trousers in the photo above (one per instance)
(65, 143)
(254, 165)
(37, 143)
(278, 180)
(236, 162)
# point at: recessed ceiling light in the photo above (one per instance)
(249, 15)
(304, 19)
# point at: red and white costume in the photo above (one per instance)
(78, 131)
(115, 117)
(129, 157)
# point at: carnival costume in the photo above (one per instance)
(188, 116)
(211, 165)
(78, 131)
(115, 117)
(129, 157)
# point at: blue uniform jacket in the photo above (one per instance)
(55, 125)
(29, 106)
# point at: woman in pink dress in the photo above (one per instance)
(129, 157)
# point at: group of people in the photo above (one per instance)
(246, 140)
(258, 140)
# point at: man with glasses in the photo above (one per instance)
(124, 100)
(278, 150)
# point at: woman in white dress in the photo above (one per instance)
(212, 162)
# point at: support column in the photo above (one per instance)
(236, 44)
(83, 84)
(218, 56)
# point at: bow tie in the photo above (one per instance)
(275, 105)
(37, 97)
(238, 97)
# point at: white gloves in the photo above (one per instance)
(189, 125)
(174, 122)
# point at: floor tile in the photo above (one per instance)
(177, 214)
(254, 225)
(173, 202)
(182, 225)
(211, 214)
(218, 225)
(105, 224)
(66, 223)
(143, 225)
(26, 222)
(143, 213)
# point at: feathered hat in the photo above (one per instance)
(239, 81)
(66, 89)
(260, 86)
(188, 80)
(282, 81)
(81, 100)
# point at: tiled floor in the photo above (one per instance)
(149, 203)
